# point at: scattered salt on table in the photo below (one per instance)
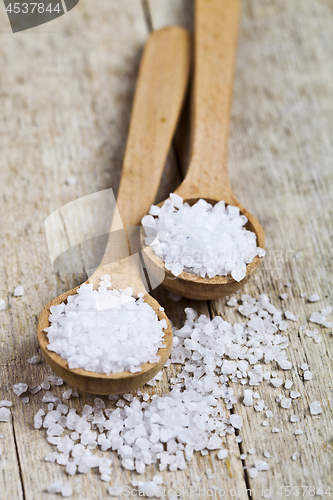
(19, 291)
(4, 414)
(34, 360)
(314, 297)
(315, 408)
(20, 388)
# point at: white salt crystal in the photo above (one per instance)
(51, 457)
(55, 487)
(289, 315)
(253, 472)
(34, 360)
(106, 477)
(285, 402)
(20, 388)
(71, 181)
(288, 383)
(4, 415)
(5, 402)
(267, 454)
(284, 296)
(67, 394)
(288, 284)
(275, 429)
(265, 423)
(318, 339)
(45, 385)
(222, 454)
(34, 389)
(295, 394)
(2, 305)
(259, 406)
(25, 400)
(314, 297)
(269, 414)
(277, 382)
(115, 491)
(260, 465)
(304, 366)
(298, 432)
(307, 375)
(232, 302)
(239, 439)
(315, 408)
(66, 490)
(71, 468)
(294, 418)
(248, 401)
(236, 420)
(38, 421)
(243, 456)
(303, 295)
(19, 291)
(294, 457)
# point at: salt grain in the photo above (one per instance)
(315, 408)
(5, 402)
(307, 375)
(4, 415)
(295, 394)
(284, 296)
(34, 360)
(288, 383)
(20, 388)
(294, 418)
(232, 302)
(314, 298)
(19, 291)
(291, 316)
(2, 305)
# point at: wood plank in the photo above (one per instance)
(66, 101)
(280, 170)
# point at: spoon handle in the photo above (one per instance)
(159, 95)
(216, 33)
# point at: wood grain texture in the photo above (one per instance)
(66, 99)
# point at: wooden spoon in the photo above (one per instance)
(159, 95)
(216, 31)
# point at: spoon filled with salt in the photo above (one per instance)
(216, 32)
(95, 336)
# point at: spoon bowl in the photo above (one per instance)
(195, 287)
(159, 95)
(102, 383)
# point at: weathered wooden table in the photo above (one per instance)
(66, 90)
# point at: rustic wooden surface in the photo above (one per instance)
(66, 91)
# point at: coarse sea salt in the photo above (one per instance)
(315, 408)
(201, 239)
(4, 414)
(2, 305)
(105, 330)
(19, 291)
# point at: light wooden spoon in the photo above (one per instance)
(216, 32)
(159, 95)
